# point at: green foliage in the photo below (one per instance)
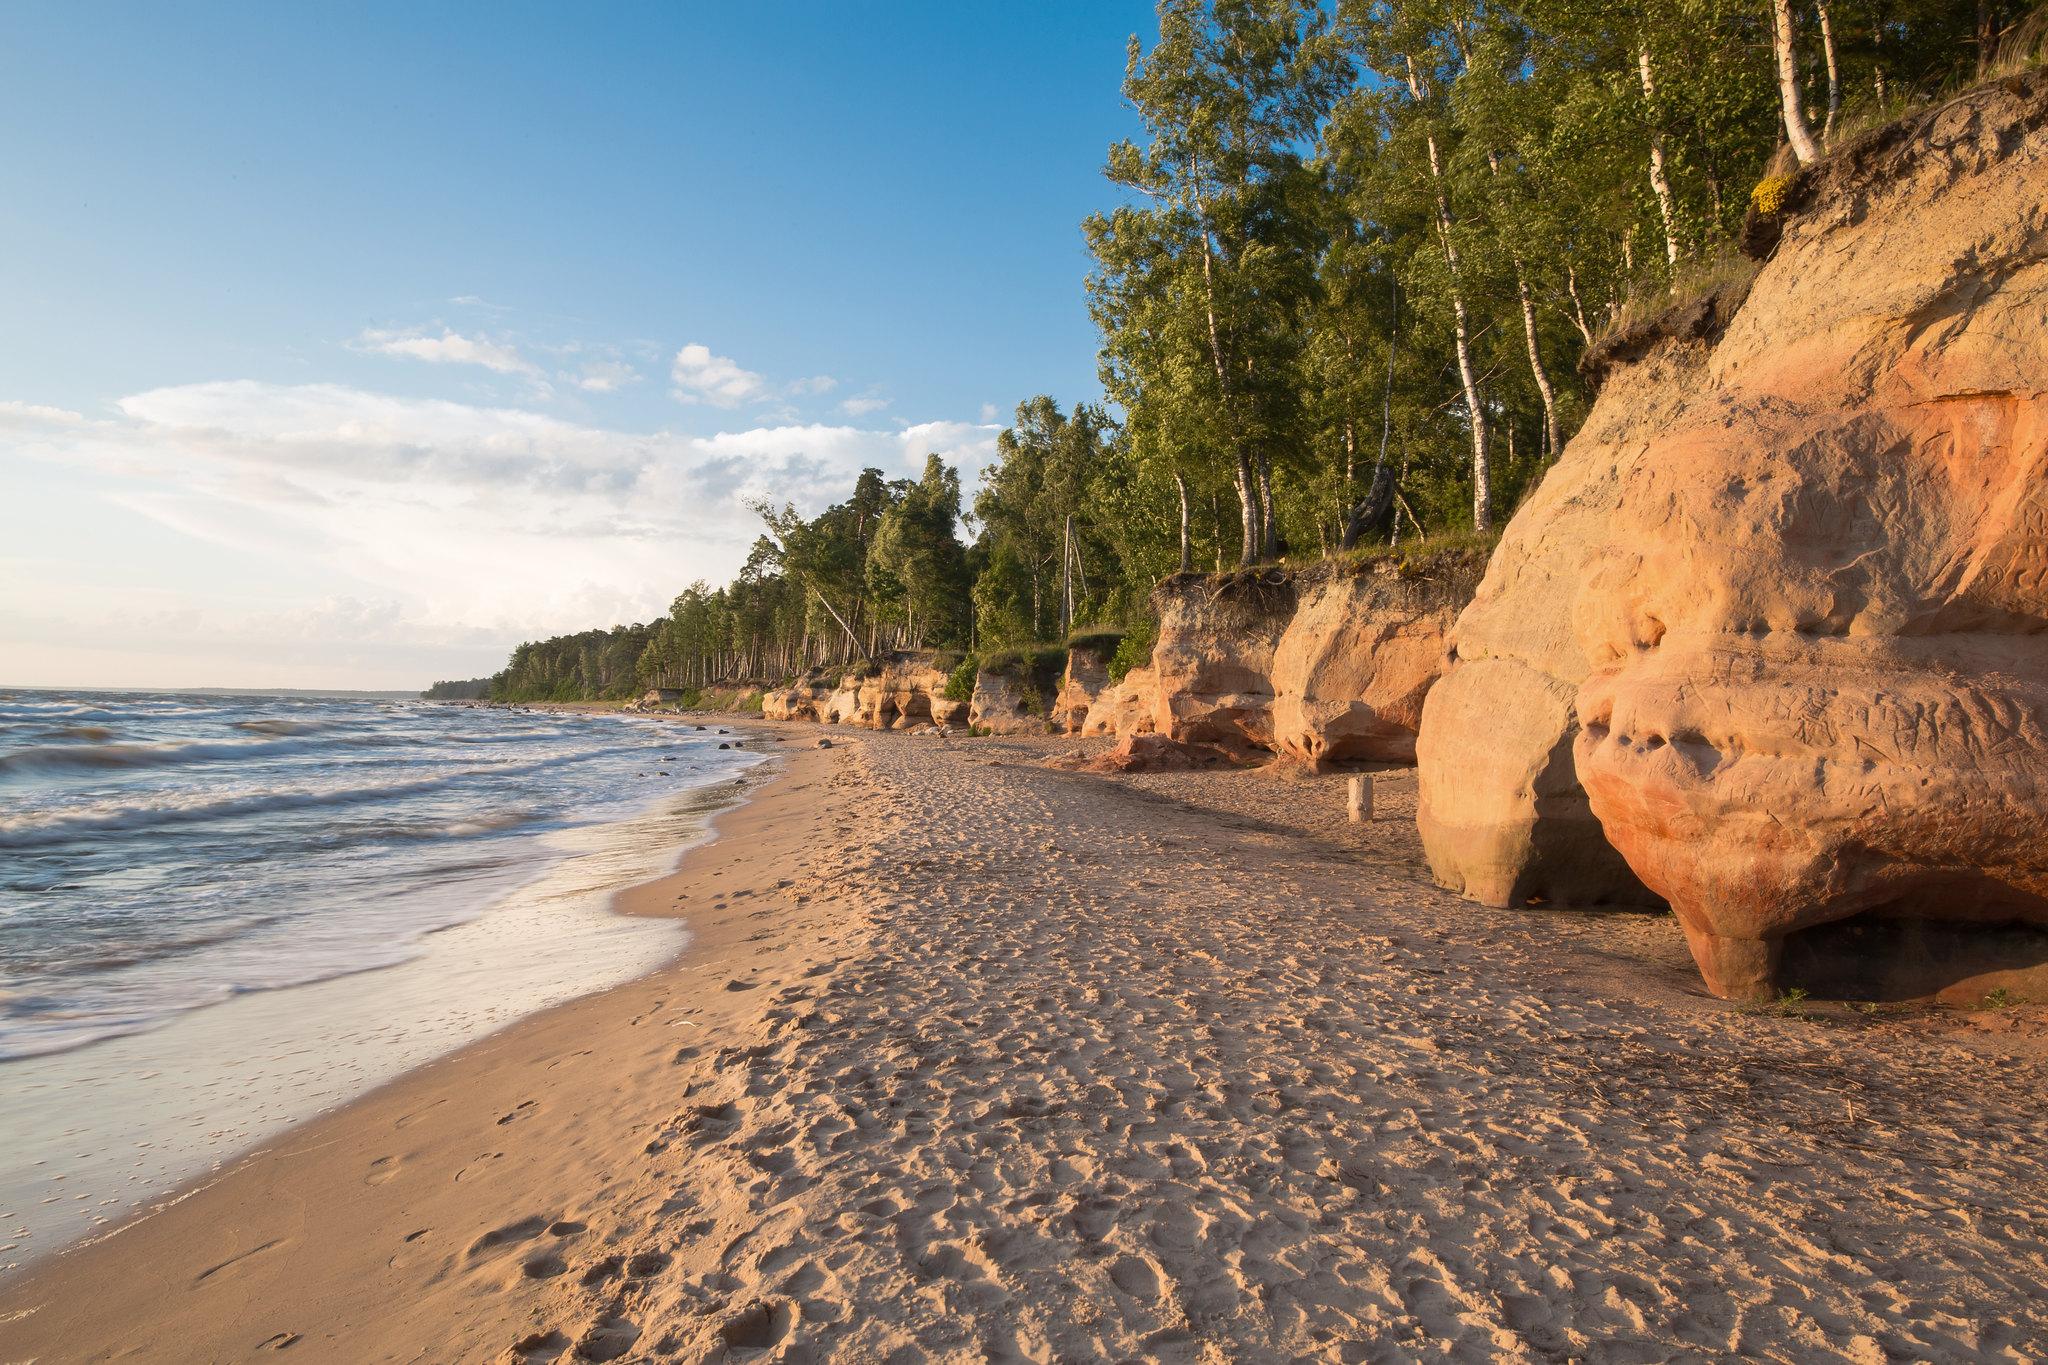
(468, 689)
(960, 682)
(1135, 649)
(1351, 247)
(1096, 639)
(1789, 1004)
(1042, 539)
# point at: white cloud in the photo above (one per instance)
(17, 416)
(703, 377)
(473, 524)
(862, 405)
(450, 348)
(605, 376)
(988, 412)
(817, 383)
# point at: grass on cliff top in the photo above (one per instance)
(1021, 663)
(1420, 557)
(1727, 272)
(1134, 650)
(1099, 639)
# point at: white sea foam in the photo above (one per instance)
(284, 902)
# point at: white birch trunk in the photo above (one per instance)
(1796, 130)
(1660, 181)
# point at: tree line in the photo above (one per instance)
(1358, 252)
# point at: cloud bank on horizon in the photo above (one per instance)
(337, 534)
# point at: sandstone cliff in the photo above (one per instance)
(1364, 647)
(895, 692)
(1013, 693)
(1503, 817)
(1793, 579)
(1124, 708)
(1323, 664)
(1086, 676)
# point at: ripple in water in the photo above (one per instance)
(160, 854)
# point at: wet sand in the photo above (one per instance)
(972, 1059)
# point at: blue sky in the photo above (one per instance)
(346, 345)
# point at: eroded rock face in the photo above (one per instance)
(1086, 675)
(1815, 623)
(1007, 704)
(900, 695)
(801, 700)
(897, 692)
(1125, 708)
(1361, 651)
(1502, 815)
(1213, 664)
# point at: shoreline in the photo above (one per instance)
(972, 1058)
(132, 1123)
(425, 1147)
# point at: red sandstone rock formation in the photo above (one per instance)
(1087, 674)
(1793, 580)
(1503, 818)
(1213, 663)
(1818, 624)
(1323, 664)
(1125, 708)
(896, 692)
(1364, 646)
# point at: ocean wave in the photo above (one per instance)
(55, 758)
(61, 827)
(275, 726)
(96, 733)
(64, 825)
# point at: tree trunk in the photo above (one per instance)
(1371, 515)
(1659, 180)
(1827, 47)
(1796, 131)
(1246, 503)
(1529, 331)
(1552, 437)
(1461, 331)
(1374, 512)
(1248, 510)
(1269, 525)
(1180, 484)
(1571, 287)
(1067, 580)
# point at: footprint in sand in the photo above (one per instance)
(543, 1265)
(525, 1230)
(608, 1339)
(1138, 1278)
(384, 1168)
(480, 1166)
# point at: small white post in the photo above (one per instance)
(1361, 799)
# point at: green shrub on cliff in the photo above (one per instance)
(1134, 650)
(960, 682)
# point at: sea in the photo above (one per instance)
(223, 914)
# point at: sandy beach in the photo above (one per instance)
(970, 1059)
